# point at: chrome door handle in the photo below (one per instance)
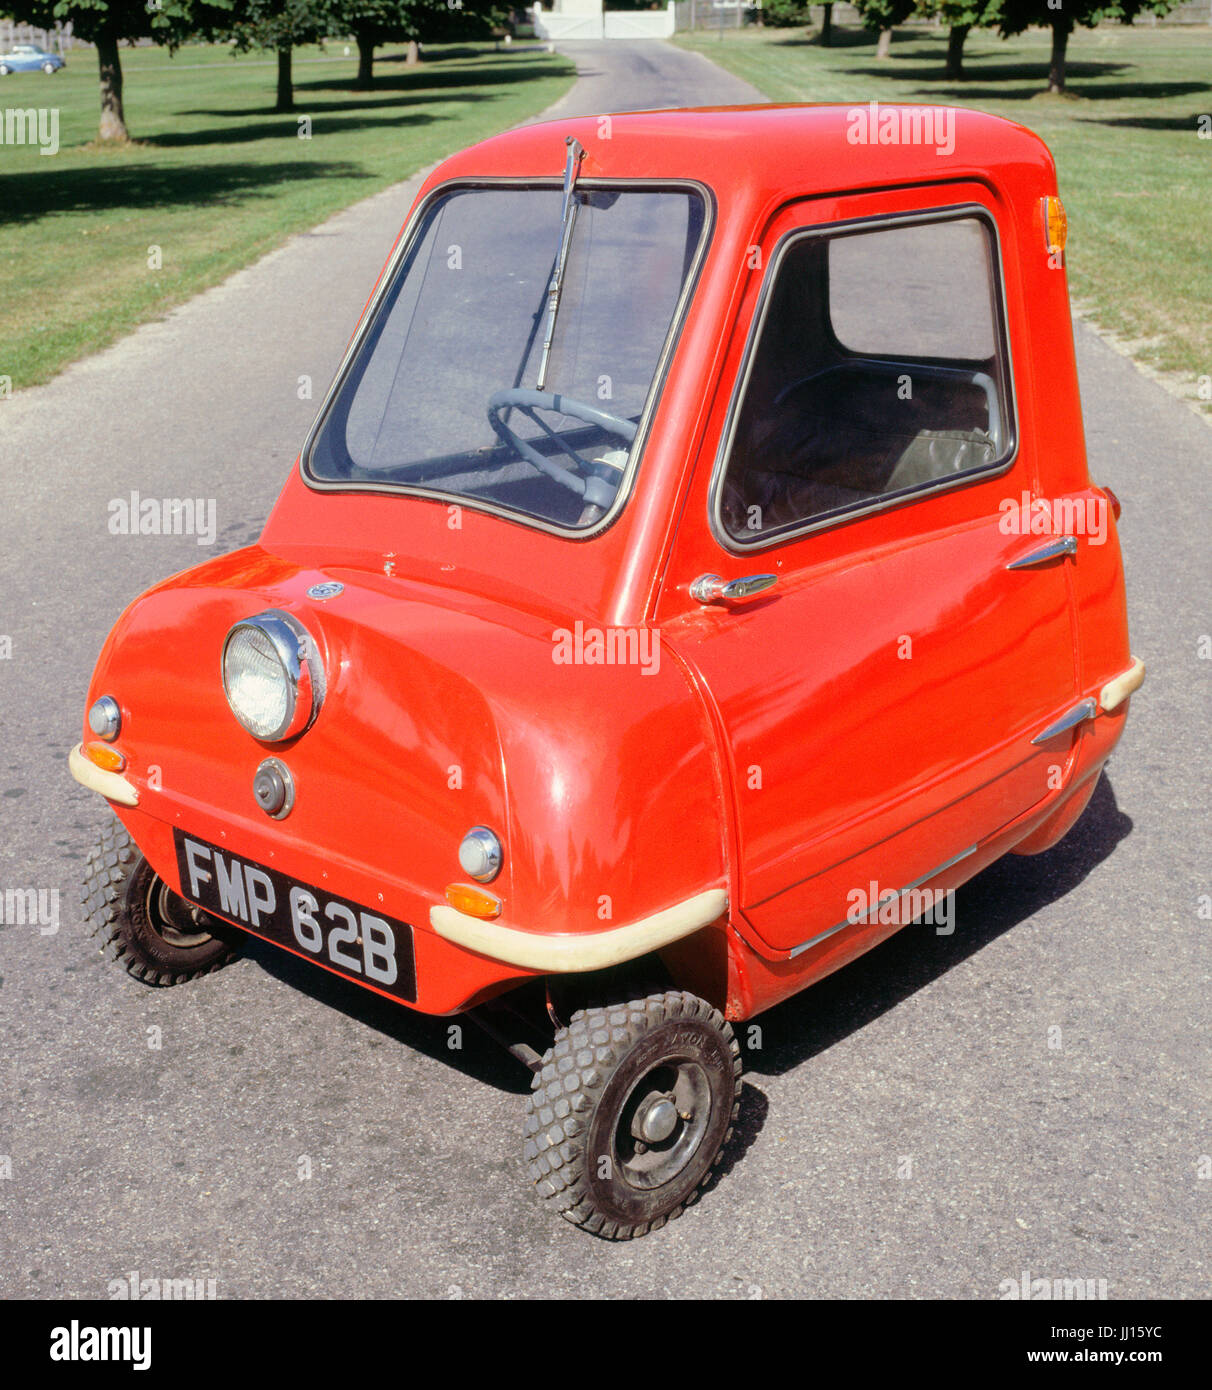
(1067, 545)
(711, 588)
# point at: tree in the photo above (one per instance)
(106, 23)
(785, 14)
(278, 26)
(375, 22)
(1061, 16)
(961, 17)
(881, 17)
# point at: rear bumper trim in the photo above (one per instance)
(1116, 691)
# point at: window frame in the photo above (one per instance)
(839, 516)
(407, 245)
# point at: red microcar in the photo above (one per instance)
(693, 575)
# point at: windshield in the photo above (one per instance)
(441, 395)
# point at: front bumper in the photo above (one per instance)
(570, 953)
(112, 785)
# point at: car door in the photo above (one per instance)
(878, 703)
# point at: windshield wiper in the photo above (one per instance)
(568, 217)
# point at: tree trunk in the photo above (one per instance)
(883, 47)
(414, 54)
(109, 64)
(827, 26)
(366, 62)
(1060, 41)
(286, 86)
(955, 50)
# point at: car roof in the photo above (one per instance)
(768, 152)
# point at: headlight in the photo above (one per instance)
(480, 854)
(272, 676)
(105, 718)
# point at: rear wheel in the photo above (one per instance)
(630, 1111)
(152, 932)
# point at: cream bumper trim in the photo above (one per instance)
(584, 951)
(111, 785)
(1116, 691)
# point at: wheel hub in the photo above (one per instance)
(655, 1120)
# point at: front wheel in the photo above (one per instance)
(49, 69)
(630, 1111)
(152, 932)
(4, 70)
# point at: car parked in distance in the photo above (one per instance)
(693, 575)
(28, 57)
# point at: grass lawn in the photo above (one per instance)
(214, 177)
(1135, 176)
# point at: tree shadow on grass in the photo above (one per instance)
(1117, 91)
(141, 185)
(838, 38)
(992, 903)
(1187, 124)
(413, 85)
(1032, 74)
(286, 126)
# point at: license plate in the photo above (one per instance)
(365, 945)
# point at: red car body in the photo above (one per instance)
(718, 810)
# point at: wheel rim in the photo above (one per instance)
(175, 921)
(662, 1123)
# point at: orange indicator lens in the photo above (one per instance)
(475, 902)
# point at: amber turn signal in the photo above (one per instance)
(104, 756)
(1056, 225)
(475, 902)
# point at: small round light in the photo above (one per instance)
(480, 854)
(272, 676)
(274, 788)
(105, 718)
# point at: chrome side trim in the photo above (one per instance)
(112, 785)
(1083, 710)
(1067, 545)
(846, 921)
(569, 952)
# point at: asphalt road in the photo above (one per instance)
(188, 1160)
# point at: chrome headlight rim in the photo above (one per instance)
(298, 656)
(105, 718)
(481, 855)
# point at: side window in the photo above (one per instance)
(879, 371)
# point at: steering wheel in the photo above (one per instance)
(586, 482)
